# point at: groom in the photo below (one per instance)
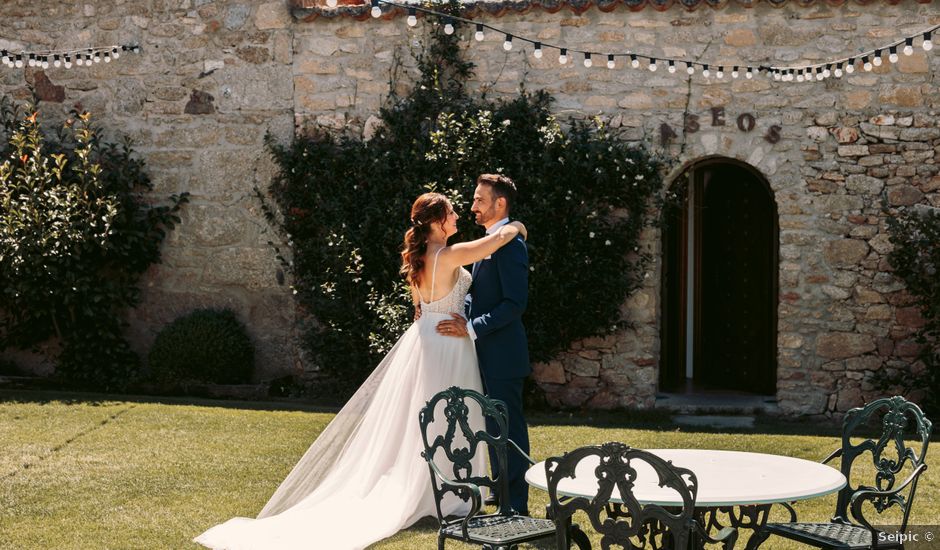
(495, 305)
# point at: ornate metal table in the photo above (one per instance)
(737, 488)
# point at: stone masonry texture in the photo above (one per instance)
(214, 77)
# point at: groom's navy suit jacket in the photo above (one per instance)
(495, 304)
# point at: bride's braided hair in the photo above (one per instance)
(427, 209)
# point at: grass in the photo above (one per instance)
(87, 471)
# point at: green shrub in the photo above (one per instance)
(342, 206)
(915, 234)
(76, 233)
(207, 345)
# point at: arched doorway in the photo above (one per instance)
(720, 252)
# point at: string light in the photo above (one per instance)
(63, 58)
(909, 46)
(807, 73)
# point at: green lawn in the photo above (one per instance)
(86, 471)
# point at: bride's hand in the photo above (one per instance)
(522, 230)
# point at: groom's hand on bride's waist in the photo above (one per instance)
(453, 327)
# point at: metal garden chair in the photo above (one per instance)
(503, 529)
(892, 454)
(628, 523)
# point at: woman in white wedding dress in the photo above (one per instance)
(363, 479)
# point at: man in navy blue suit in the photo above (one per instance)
(495, 304)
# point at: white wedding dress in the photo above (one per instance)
(364, 479)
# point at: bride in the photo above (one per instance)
(363, 479)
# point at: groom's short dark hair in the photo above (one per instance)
(502, 187)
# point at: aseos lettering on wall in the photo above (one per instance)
(746, 122)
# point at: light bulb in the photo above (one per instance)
(507, 44)
(97, 58)
(478, 36)
(79, 60)
(331, 3)
(705, 72)
(799, 76)
(876, 60)
(610, 62)
(908, 46)
(449, 28)
(893, 54)
(720, 73)
(850, 66)
(538, 50)
(734, 72)
(45, 63)
(587, 60)
(819, 74)
(56, 62)
(927, 45)
(652, 66)
(672, 66)
(749, 74)
(634, 62)
(866, 64)
(412, 17)
(827, 72)
(838, 71)
(563, 56)
(115, 53)
(31, 62)
(776, 75)
(376, 11)
(107, 58)
(690, 68)
(19, 62)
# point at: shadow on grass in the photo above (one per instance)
(652, 420)
(43, 397)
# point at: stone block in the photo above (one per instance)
(853, 150)
(550, 373)
(272, 15)
(904, 195)
(845, 134)
(842, 345)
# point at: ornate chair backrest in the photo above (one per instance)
(451, 442)
(628, 524)
(893, 434)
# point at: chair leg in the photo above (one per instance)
(440, 542)
(580, 538)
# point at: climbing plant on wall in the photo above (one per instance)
(342, 206)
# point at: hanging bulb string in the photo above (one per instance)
(87, 55)
(653, 61)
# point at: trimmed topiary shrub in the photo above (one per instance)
(207, 345)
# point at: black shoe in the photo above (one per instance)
(491, 500)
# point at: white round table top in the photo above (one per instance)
(725, 478)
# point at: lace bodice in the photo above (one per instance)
(453, 301)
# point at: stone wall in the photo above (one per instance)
(215, 76)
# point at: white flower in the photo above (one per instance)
(607, 242)
(507, 122)
(591, 234)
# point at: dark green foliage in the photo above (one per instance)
(915, 258)
(207, 345)
(343, 207)
(76, 234)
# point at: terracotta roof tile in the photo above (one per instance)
(308, 10)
